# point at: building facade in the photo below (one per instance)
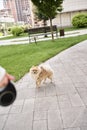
(70, 9)
(20, 9)
(10, 5)
(5, 16)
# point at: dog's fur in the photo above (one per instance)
(41, 73)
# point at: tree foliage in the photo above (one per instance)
(49, 8)
(40, 15)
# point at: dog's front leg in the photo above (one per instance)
(38, 84)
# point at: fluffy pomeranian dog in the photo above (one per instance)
(41, 73)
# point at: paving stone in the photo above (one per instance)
(46, 103)
(83, 94)
(4, 110)
(71, 74)
(65, 88)
(54, 120)
(40, 92)
(40, 125)
(57, 129)
(83, 128)
(18, 102)
(58, 80)
(58, 74)
(50, 90)
(79, 79)
(28, 105)
(82, 66)
(75, 99)
(21, 121)
(49, 109)
(64, 101)
(26, 78)
(66, 80)
(3, 119)
(26, 93)
(81, 85)
(32, 83)
(78, 71)
(85, 71)
(21, 85)
(16, 109)
(39, 115)
(77, 128)
(74, 117)
(80, 60)
(68, 66)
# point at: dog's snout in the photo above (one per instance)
(35, 72)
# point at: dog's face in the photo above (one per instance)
(35, 70)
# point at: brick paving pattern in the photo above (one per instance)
(58, 106)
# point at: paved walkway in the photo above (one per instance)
(59, 106)
(25, 40)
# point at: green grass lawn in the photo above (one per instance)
(11, 37)
(17, 59)
(72, 28)
(26, 34)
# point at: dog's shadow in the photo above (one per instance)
(46, 85)
(45, 90)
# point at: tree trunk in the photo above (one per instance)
(45, 29)
(51, 27)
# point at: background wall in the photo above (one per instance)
(70, 9)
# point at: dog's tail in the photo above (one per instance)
(46, 67)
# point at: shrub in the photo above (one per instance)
(17, 31)
(26, 27)
(80, 21)
(1, 34)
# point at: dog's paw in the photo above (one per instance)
(44, 82)
(37, 86)
(52, 82)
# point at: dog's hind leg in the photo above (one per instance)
(44, 81)
(51, 78)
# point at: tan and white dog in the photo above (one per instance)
(41, 73)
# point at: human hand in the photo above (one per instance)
(6, 79)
